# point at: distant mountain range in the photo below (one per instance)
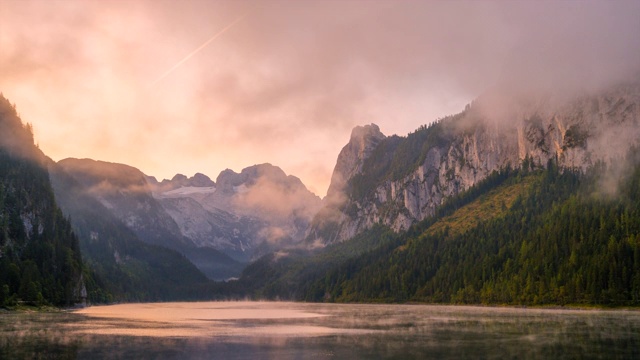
(393, 202)
(217, 225)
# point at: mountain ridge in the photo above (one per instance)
(403, 180)
(242, 215)
(40, 258)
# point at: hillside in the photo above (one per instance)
(59, 246)
(399, 181)
(219, 226)
(288, 274)
(127, 268)
(516, 200)
(40, 260)
(533, 237)
(123, 196)
(564, 242)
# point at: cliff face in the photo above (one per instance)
(364, 139)
(398, 181)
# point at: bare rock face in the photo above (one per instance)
(179, 180)
(364, 139)
(399, 181)
(244, 215)
(351, 158)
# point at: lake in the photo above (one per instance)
(280, 330)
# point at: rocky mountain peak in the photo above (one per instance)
(363, 141)
(179, 178)
(245, 214)
(178, 181)
(201, 180)
(406, 178)
(228, 179)
(268, 170)
(361, 133)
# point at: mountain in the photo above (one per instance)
(520, 237)
(244, 215)
(530, 201)
(543, 237)
(218, 225)
(124, 193)
(398, 181)
(179, 181)
(325, 225)
(127, 268)
(40, 259)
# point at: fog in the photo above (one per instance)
(199, 86)
(281, 330)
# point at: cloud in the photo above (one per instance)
(277, 199)
(286, 84)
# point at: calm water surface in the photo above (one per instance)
(266, 330)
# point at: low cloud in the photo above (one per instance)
(277, 200)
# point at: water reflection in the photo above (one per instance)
(250, 330)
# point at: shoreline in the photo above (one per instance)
(551, 307)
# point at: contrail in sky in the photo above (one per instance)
(166, 73)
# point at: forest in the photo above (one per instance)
(539, 236)
(60, 247)
(40, 260)
(529, 235)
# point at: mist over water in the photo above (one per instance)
(253, 330)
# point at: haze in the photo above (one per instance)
(200, 86)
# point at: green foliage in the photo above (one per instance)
(558, 244)
(40, 260)
(531, 237)
(301, 275)
(288, 275)
(492, 204)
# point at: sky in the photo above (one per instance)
(193, 86)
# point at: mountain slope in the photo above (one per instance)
(123, 192)
(245, 215)
(401, 180)
(40, 260)
(557, 237)
(128, 269)
(564, 242)
(289, 274)
(525, 201)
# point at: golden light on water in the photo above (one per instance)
(207, 319)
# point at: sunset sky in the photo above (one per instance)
(199, 86)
